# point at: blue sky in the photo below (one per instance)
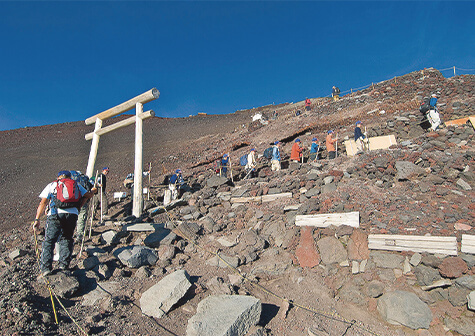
(66, 61)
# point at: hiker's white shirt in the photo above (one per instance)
(434, 119)
(251, 161)
(50, 190)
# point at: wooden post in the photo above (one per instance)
(138, 177)
(94, 146)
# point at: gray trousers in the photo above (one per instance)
(82, 219)
(59, 228)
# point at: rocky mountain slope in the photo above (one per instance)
(310, 281)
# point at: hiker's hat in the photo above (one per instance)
(277, 142)
(330, 131)
(253, 149)
(297, 140)
(434, 95)
(314, 139)
(225, 155)
(178, 171)
(66, 173)
(105, 168)
(358, 122)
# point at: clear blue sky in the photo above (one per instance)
(66, 61)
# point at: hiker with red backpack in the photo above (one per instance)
(62, 198)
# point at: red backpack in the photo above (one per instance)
(67, 193)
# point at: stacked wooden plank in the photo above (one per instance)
(323, 220)
(430, 244)
(468, 244)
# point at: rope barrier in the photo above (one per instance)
(52, 293)
(330, 315)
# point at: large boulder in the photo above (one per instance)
(136, 256)
(404, 308)
(225, 315)
(407, 170)
(159, 299)
(216, 181)
(331, 250)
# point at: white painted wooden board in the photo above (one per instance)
(430, 244)
(382, 142)
(379, 142)
(350, 146)
(264, 198)
(323, 220)
(468, 244)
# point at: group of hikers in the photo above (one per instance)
(249, 161)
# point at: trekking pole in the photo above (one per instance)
(336, 146)
(231, 170)
(93, 205)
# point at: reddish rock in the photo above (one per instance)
(306, 252)
(462, 227)
(453, 267)
(335, 173)
(358, 246)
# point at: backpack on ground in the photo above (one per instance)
(268, 153)
(425, 106)
(67, 193)
(243, 160)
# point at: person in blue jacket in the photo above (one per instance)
(275, 161)
(359, 138)
(433, 116)
(176, 180)
(314, 150)
(224, 165)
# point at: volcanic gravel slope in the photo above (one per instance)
(430, 201)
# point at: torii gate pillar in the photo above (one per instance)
(138, 171)
(138, 119)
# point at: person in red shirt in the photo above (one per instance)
(307, 104)
(296, 152)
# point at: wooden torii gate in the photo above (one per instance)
(97, 119)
